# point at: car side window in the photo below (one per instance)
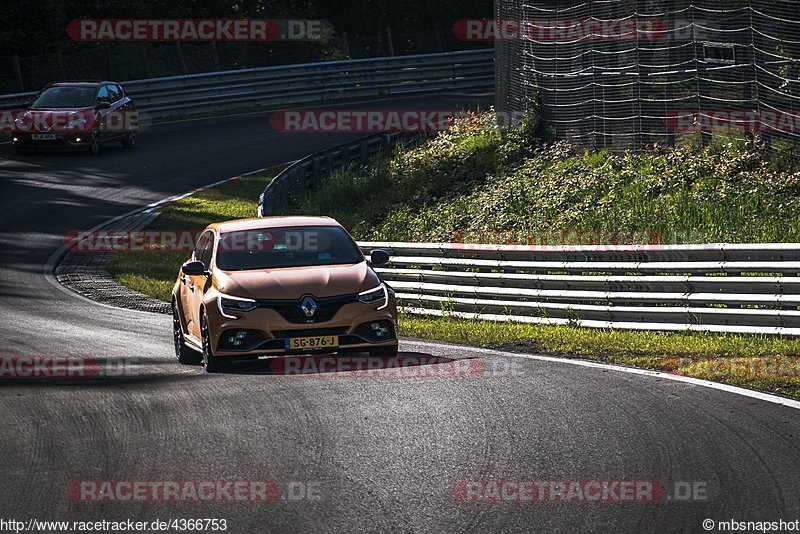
(103, 95)
(116, 92)
(199, 246)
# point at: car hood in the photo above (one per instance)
(45, 120)
(64, 111)
(293, 283)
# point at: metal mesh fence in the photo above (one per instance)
(627, 74)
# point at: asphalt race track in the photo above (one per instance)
(376, 453)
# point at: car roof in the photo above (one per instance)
(241, 225)
(80, 83)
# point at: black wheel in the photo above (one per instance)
(211, 363)
(185, 355)
(387, 352)
(130, 139)
(21, 151)
(94, 144)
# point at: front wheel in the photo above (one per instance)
(211, 363)
(94, 144)
(185, 355)
(130, 139)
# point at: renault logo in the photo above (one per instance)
(309, 306)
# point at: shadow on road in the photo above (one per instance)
(404, 365)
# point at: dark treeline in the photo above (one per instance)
(32, 27)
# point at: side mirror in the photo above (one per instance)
(379, 257)
(102, 105)
(194, 268)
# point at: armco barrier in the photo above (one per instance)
(741, 288)
(305, 83)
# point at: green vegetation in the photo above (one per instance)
(476, 181)
(757, 362)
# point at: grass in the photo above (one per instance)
(474, 180)
(757, 362)
(154, 273)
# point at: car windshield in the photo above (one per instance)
(276, 248)
(65, 97)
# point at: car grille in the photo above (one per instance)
(327, 308)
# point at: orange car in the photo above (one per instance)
(281, 285)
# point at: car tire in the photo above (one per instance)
(185, 355)
(387, 352)
(94, 144)
(130, 139)
(21, 151)
(211, 363)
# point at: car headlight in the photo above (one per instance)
(379, 295)
(229, 304)
(21, 122)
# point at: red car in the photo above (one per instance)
(76, 115)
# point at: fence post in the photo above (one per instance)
(284, 194)
(110, 61)
(330, 162)
(18, 72)
(346, 45)
(181, 58)
(215, 55)
(316, 171)
(302, 182)
(389, 40)
(437, 34)
(61, 69)
(146, 61)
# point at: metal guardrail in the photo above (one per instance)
(714, 288)
(305, 83)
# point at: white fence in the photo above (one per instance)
(715, 288)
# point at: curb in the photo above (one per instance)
(87, 273)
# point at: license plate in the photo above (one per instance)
(312, 343)
(43, 137)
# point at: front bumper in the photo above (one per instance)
(61, 141)
(267, 330)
